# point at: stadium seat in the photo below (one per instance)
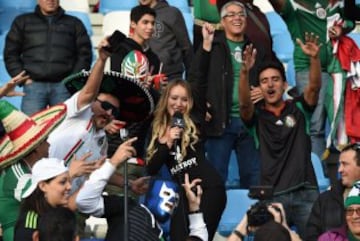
(356, 37)
(85, 18)
(233, 180)
(26, 5)
(75, 5)
(283, 47)
(111, 22)
(7, 17)
(237, 204)
(323, 182)
(107, 6)
(277, 24)
(290, 72)
(189, 21)
(182, 5)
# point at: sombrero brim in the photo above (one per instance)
(136, 101)
(14, 146)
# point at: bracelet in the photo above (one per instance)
(238, 234)
(196, 211)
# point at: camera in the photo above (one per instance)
(258, 214)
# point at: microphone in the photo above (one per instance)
(177, 121)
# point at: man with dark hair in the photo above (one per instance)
(328, 210)
(281, 130)
(57, 224)
(49, 45)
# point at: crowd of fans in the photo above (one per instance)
(163, 122)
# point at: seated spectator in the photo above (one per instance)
(350, 230)
(57, 224)
(328, 209)
(49, 187)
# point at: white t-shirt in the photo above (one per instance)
(77, 135)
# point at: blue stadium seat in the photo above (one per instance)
(277, 24)
(7, 17)
(290, 73)
(182, 5)
(189, 21)
(237, 204)
(85, 18)
(27, 5)
(323, 182)
(283, 46)
(114, 5)
(233, 180)
(356, 37)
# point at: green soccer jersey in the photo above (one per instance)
(12, 184)
(236, 59)
(311, 16)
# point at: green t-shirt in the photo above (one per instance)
(206, 10)
(311, 16)
(236, 59)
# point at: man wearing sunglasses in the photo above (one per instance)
(328, 210)
(82, 133)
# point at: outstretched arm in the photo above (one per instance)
(246, 105)
(9, 88)
(91, 89)
(311, 48)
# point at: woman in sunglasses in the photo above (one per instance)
(351, 230)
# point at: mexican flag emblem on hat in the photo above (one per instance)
(24, 133)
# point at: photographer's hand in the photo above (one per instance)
(240, 231)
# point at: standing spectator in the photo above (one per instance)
(280, 129)
(142, 21)
(49, 45)
(350, 230)
(316, 17)
(328, 210)
(23, 143)
(170, 40)
(224, 129)
(182, 149)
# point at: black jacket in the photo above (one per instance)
(48, 48)
(327, 213)
(220, 83)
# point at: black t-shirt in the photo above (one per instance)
(285, 146)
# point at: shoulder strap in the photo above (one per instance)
(258, 23)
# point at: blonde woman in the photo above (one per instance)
(180, 146)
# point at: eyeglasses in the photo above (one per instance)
(232, 14)
(108, 106)
(350, 211)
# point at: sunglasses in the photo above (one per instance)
(108, 106)
(350, 211)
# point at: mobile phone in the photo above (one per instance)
(114, 41)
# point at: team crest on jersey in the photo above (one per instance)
(290, 121)
(320, 11)
(237, 54)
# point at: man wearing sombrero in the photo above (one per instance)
(95, 102)
(21, 145)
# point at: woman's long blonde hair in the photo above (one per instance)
(162, 120)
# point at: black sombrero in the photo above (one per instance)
(136, 102)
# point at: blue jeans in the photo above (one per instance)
(235, 137)
(297, 205)
(318, 119)
(39, 95)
